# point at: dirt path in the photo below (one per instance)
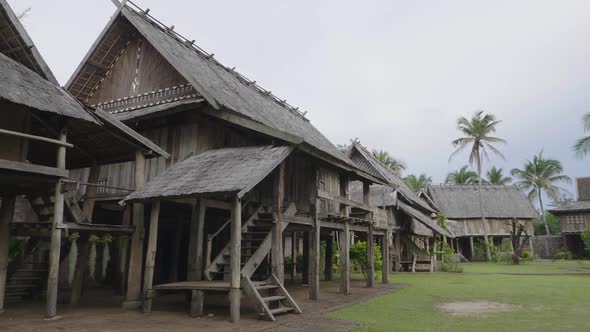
(169, 314)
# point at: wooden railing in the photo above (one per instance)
(211, 237)
(36, 138)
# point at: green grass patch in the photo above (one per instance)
(543, 302)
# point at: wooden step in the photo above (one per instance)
(274, 298)
(281, 310)
(20, 286)
(265, 286)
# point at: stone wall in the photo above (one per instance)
(547, 246)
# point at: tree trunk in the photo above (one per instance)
(543, 213)
(483, 218)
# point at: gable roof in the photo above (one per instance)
(16, 43)
(221, 171)
(462, 201)
(575, 206)
(368, 163)
(222, 87)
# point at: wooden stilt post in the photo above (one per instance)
(370, 257)
(329, 261)
(386, 267)
(235, 260)
(150, 258)
(124, 251)
(55, 245)
(293, 255)
(133, 298)
(306, 258)
(196, 238)
(398, 251)
(277, 259)
(6, 217)
(88, 206)
(471, 248)
(345, 259)
(314, 268)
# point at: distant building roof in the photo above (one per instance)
(575, 206)
(221, 171)
(462, 201)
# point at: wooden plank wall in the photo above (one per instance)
(574, 222)
(497, 227)
(329, 182)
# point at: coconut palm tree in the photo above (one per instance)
(396, 165)
(495, 176)
(462, 176)
(418, 183)
(541, 176)
(582, 146)
(477, 137)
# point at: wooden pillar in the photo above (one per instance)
(196, 237)
(345, 259)
(386, 267)
(150, 257)
(88, 206)
(6, 217)
(277, 259)
(124, 251)
(370, 257)
(532, 247)
(471, 248)
(314, 268)
(398, 251)
(133, 298)
(235, 260)
(55, 245)
(306, 258)
(293, 255)
(329, 260)
(197, 297)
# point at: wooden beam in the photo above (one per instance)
(32, 168)
(217, 204)
(35, 137)
(197, 298)
(196, 237)
(235, 260)
(277, 259)
(6, 217)
(150, 257)
(55, 245)
(370, 258)
(133, 297)
(344, 201)
(88, 206)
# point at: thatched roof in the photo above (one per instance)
(576, 206)
(462, 201)
(227, 91)
(423, 219)
(16, 43)
(222, 171)
(382, 196)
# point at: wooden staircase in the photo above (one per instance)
(27, 273)
(419, 259)
(271, 296)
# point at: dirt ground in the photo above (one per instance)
(475, 308)
(99, 312)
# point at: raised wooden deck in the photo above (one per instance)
(216, 285)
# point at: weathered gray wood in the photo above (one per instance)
(150, 257)
(293, 255)
(386, 265)
(133, 297)
(398, 249)
(345, 259)
(329, 260)
(288, 298)
(314, 268)
(88, 206)
(235, 260)
(74, 208)
(196, 238)
(277, 259)
(306, 258)
(471, 248)
(370, 257)
(6, 217)
(197, 297)
(55, 245)
(81, 266)
(32, 168)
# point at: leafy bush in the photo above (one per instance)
(450, 263)
(552, 222)
(358, 256)
(586, 238)
(565, 255)
(289, 263)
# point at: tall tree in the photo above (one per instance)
(540, 176)
(396, 165)
(477, 132)
(462, 176)
(582, 146)
(496, 176)
(418, 183)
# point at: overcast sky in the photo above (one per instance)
(395, 74)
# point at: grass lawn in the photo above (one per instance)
(542, 302)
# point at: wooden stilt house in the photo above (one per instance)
(44, 133)
(408, 215)
(246, 169)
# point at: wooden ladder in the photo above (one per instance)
(271, 297)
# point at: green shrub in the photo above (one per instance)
(289, 263)
(586, 238)
(552, 222)
(565, 255)
(358, 256)
(450, 263)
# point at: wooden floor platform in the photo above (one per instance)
(215, 285)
